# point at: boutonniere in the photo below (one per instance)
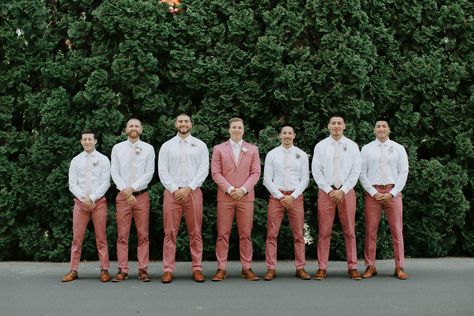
(344, 147)
(95, 163)
(391, 149)
(138, 150)
(298, 156)
(193, 145)
(244, 149)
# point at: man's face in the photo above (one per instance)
(236, 131)
(183, 124)
(381, 130)
(88, 142)
(287, 136)
(134, 129)
(336, 126)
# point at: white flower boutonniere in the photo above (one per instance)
(344, 147)
(138, 150)
(298, 156)
(95, 163)
(193, 144)
(391, 149)
(244, 149)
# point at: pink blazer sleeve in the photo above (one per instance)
(217, 168)
(255, 168)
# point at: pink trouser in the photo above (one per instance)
(276, 211)
(326, 213)
(140, 213)
(172, 212)
(373, 211)
(243, 211)
(80, 220)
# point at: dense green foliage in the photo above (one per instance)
(67, 65)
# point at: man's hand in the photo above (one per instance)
(182, 194)
(88, 202)
(336, 196)
(237, 194)
(383, 197)
(127, 192)
(131, 200)
(287, 202)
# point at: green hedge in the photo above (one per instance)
(67, 65)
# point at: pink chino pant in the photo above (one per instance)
(373, 212)
(326, 213)
(140, 213)
(243, 211)
(276, 211)
(172, 212)
(80, 220)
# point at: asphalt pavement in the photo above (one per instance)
(440, 286)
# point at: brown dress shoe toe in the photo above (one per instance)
(369, 272)
(400, 274)
(249, 275)
(71, 276)
(354, 274)
(198, 276)
(270, 275)
(219, 276)
(120, 276)
(167, 277)
(302, 274)
(320, 274)
(105, 276)
(143, 275)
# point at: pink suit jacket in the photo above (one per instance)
(226, 173)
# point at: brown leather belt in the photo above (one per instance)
(385, 186)
(136, 193)
(287, 192)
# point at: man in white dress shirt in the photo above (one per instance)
(183, 165)
(336, 169)
(286, 176)
(133, 165)
(89, 180)
(383, 175)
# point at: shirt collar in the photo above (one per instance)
(342, 140)
(291, 149)
(188, 139)
(92, 154)
(385, 143)
(238, 143)
(137, 143)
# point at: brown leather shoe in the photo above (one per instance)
(198, 276)
(249, 275)
(105, 276)
(143, 275)
(120, 276)
(400, 274)
(71, 276)
(320, 274)
(219, 276)
(167, 277)
(270, 275)
(369, 272)
(354, 274)
(302, 274)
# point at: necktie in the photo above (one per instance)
(236, 149)
(133, 165)
(287, 169)
(183, 154)
(338, 180)
(88, 175)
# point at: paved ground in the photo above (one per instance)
(436, 287)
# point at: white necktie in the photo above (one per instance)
(183, 156)
(236, 149)
(287, 169)
(89, 175)
(338, 180)
(133, 165)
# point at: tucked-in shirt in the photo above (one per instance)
(121, 164)
(323, 163)
(98, 167)
(393, 167)
(297, 166)
(170, 167)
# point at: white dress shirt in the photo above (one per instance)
(121, 164)
(297, 166)
(236, 147)
(89, 172)
(170, 163)
(391, 165)
(323, 163)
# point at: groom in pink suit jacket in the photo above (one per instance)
(235, 168)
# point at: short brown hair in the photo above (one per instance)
(235, 119)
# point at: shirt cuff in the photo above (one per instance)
(229, 189)
(245, 190)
